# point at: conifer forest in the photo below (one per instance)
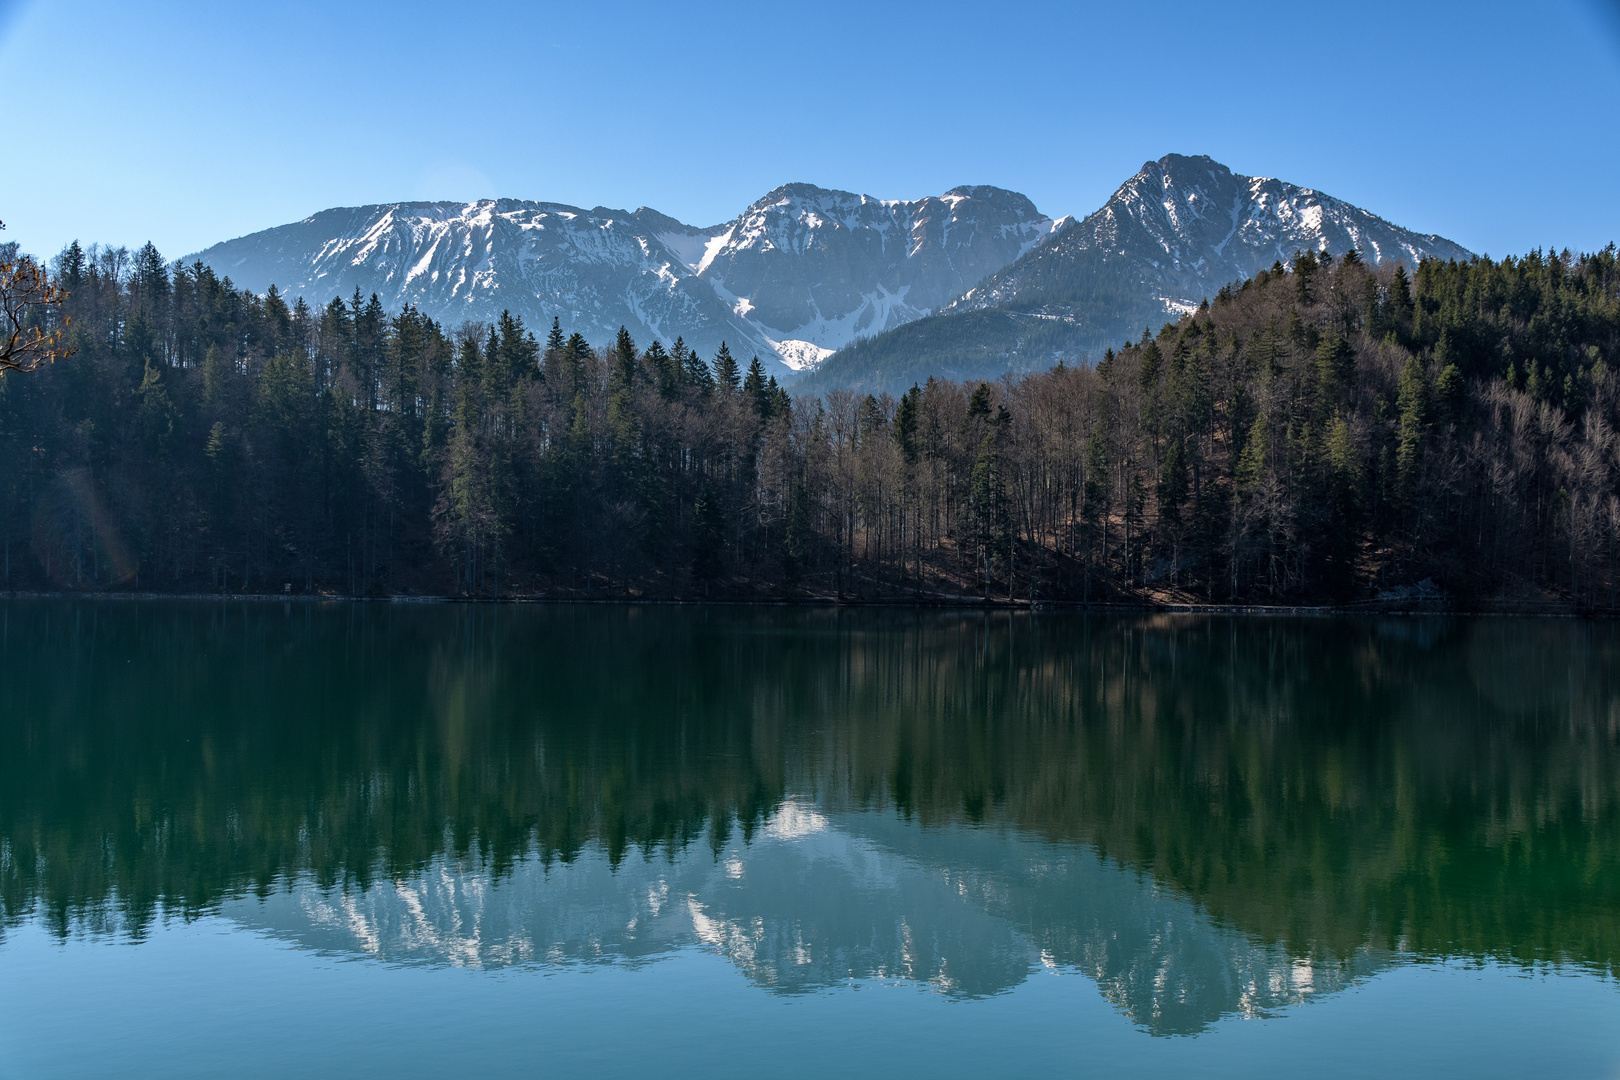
(1332, 432)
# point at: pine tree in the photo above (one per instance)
(575, 352)
(726, 373)
(151, 280)
(1173, 483)
(780, 403)
(70, 269)
(1412, 407)
(664, 369)
(696, 373)
(905, 425)
(1345, 478)
(1335, 368)
(753, 386)
(1253, 463)
(1305, 268)
(1398, 304)
(979, 403)
(516, 352)
(624, 361)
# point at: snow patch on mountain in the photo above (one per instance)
(876, 311)
(802, 355)
(691, 247)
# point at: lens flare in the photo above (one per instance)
(74, 539)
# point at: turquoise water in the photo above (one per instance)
(272, 840)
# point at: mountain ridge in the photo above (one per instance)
(800, 272)
(829, 287)
(1169, 237)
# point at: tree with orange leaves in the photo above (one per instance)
(25, 288)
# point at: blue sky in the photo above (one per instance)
(1497, 125)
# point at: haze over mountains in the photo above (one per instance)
(968, 284)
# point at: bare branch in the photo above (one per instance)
(26, 294)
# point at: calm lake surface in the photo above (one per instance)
(267, 840)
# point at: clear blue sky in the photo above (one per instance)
(1497, 125)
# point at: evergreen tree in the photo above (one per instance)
(1413, 409)
(665, 370)
(726, 373)
(697, 375)
(1173, 483)
(753, 386)
(905, 424)
(624, 361)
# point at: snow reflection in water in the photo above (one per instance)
(816, 901)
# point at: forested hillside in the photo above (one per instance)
(1325, 433)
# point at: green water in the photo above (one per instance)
(312, 839)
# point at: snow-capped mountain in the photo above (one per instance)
(815, 269)
(799, 274)
(964, 912)
(596, 270)
(1185, 226)
(806, 271)
(1171, 236)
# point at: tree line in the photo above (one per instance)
(1328, 431)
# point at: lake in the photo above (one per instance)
(267, 839)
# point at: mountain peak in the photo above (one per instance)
(812, 265)
(1170, 236)
(1182, 162)
(1183, 226)
(1012, 201)
(801, 191)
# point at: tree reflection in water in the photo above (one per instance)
(1206, 815)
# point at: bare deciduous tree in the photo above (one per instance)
(26, 289)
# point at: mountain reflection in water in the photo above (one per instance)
(968, 912)
(1207, 816)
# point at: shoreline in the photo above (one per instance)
(1548, 610)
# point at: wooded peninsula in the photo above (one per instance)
(1327, 433)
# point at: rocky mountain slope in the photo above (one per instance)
(594, 269)
(1171, 236)
(800, 273)
(816, 269)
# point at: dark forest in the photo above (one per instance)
(1331, 432)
